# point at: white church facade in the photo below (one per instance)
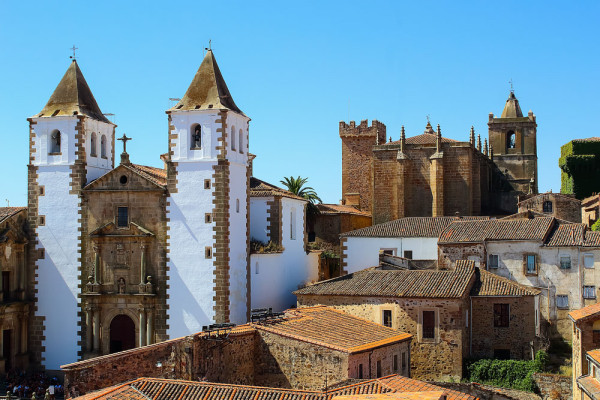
(131, 255)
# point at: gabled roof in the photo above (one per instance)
(157, 176)
(528, 197)
(327, 327)
(7, 212)
(73, 96)
(167, 389)
(489, 284)
(567, 235)
(592, 310)
(335, 209)
(409, 227)
(208, 89)
(512, 108)
(260, 188)
(477, 231)
(398, 283)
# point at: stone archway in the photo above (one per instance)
(122, 334)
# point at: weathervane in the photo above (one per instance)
(428, 119)
(74, 49)
(512, 89)
(209, 48)
(124, 139)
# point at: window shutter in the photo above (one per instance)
(525, 264)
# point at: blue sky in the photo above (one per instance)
(298, 68)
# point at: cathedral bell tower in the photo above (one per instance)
(513, 138)
(207, 211)
(70, 144)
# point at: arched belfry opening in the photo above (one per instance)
(122, 334)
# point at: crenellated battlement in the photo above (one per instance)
(376, 129)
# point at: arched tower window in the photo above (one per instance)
(241, 142)
(547, 207)
(55, 142)
(103, 146)
(196, 139)
(93, 145)
(511, 141)
(233, 138)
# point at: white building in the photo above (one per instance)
(413, 238)
(201, 271)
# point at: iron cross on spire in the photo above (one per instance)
(209, 45)
(124, 139)
(512, 89)
(74, 49)
(428, 119)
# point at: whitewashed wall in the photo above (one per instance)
(96, 165)
(57, 281)
(258, 218)
(363, 252)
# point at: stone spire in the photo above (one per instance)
(402, 139)
(512, 108)
(73, 96)
(208, 89)
(485, 147)
(479, 142)
(472, 136)
(438, 139)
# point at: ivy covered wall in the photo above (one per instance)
(580, 167)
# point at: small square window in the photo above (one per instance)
(386, 318)
(589, 292)
(493, 261)
(565, 262)
(360, 371)
(501, 315)
(42, 190)
(41, 220)
(562, 301)
(530, 264)
(395, 363)
(207, 184)
(408, 254)
(208, 252)
(122, 217)
(388, 252)
(547, 207)
(208, 218)
(403, 361)
(588, 260)
(428, 324)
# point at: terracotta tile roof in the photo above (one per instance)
(398, 283)
(334, 209)
(425, 138)
(594, 355)
(592, 239)
(566, 235)
(167, 389)
(489, 284)
(156, 175)
(585, 312)
(433, 395)
(531, 214)
(331, 328)
(408, 227)
(7, 212)
(260, 188)
(590, 385)
(536, 229)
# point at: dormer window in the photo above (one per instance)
(511, 141)
(93, 145)
(196, 137)
(547, 207)
(103, 146)
(122, 217)
(233, 138)
(55, 142)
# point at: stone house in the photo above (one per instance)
(560, 206)
(307, 349)
(431, 176)
(590, 210)
(333, 220)
(558, 258)
(452, 314)
(15, 294)
(586, 352)
(413, 238)
(395, 387)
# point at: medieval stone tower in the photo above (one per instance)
(70, 143)
(207, 209)
(513, 140)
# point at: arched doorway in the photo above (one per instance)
(122, 334)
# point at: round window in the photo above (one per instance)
(123, 179)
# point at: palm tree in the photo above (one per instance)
(296, 186)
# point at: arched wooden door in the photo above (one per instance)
(122, 334)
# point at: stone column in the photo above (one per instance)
(150, 328)
(143, 265)
(96, 264)
(437, 184)
(88, 328)
(24, 326)
(142, 327)
(97, 330)
(22, 276)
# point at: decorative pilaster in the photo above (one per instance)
(150, 327)
(436, 175)
(96, 312)
(142, 312)
(143, 264)
(89, 328)
(96, 264)
(24, 334)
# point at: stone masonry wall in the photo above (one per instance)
(516, 337)
(563, 207)
(448, 254)
(554, 387)
(357, 156)
(385, 356)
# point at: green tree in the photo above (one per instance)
(596, 226)
(296, 186)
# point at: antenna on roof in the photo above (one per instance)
(73, 57)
